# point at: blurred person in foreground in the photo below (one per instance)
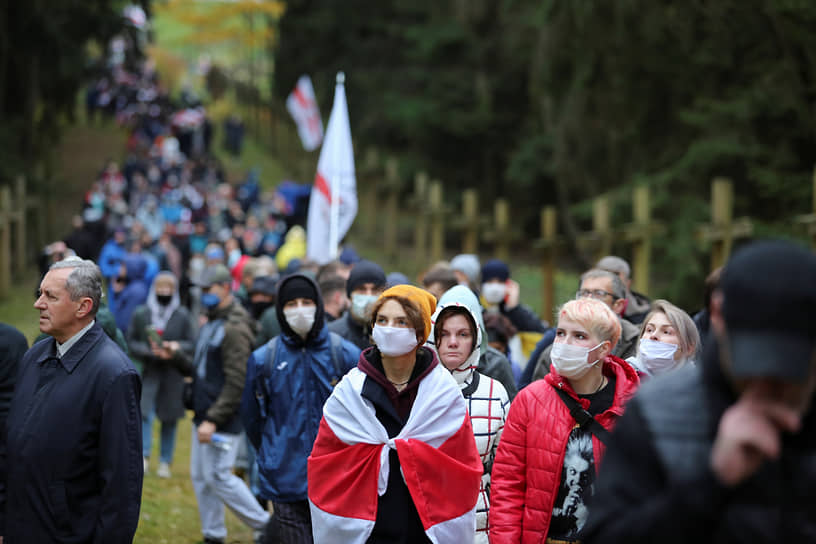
(553, 440)
(725, 451)
(459, 338)
(72, 465)
(395, 460)
(668, 340)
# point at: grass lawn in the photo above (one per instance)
(169, 511)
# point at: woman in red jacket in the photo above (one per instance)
(545, 466)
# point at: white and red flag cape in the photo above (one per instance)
(302, 106)
(348, 468)
(333, 203)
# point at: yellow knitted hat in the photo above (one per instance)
(420, 298)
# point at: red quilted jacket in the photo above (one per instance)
(530, 457)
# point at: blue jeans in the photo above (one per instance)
(168, 438)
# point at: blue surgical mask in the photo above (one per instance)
(360, 304)
(210, 300)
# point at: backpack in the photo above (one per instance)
(261, 391)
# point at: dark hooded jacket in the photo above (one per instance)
(283, 401)
(656, 484)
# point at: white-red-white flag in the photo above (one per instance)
(349, 467)
(333, 203)
(302, 105)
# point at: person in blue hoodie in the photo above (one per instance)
(129, 289)
(287, 382)
(110, 257)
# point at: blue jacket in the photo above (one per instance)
(110, 258)
(134, 294)
(284, 427)
(72, 462)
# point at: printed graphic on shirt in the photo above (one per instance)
(577, 486)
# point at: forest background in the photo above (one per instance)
(540, 102)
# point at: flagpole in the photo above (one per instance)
(335, 182)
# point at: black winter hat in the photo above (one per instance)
(294, 287)
(365, 272)
(769, 292)
(495, 269)
(264, 284)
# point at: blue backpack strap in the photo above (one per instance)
(262, 380)
(336, 345)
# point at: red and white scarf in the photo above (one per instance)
(348, 468)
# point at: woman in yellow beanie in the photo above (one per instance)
(395, 459)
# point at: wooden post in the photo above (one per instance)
(392, 184)
(5, 240)
(600, 226)
(470, 216)
(642, 250)
(368, 188)
(723, 228)
(548, 258)
(437, 220)
(20, 210)
(809, 220)
(420, 204)
(502, 228)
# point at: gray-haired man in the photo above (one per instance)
(72, 467)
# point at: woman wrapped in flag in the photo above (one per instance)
(395, 460)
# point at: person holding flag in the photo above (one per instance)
(395, 459)
(333, 202)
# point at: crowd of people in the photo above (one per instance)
(339, 404)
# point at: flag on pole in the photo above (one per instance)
(302, 106)
(333, 202)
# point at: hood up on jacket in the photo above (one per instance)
(286, 288)
(461, 296)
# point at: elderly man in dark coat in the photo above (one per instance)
(72, 468)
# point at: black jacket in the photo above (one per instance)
(72, 468)
(13, 346)
(655, 484)
(352, 331)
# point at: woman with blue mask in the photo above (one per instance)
(549, 453)
(668, 340)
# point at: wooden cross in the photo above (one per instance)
(392, 186)
(420, 204)
(547, 245)
(723, 229)
(639, 233)
(599, 240)
(809, 220)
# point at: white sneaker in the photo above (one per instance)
(164, 470)
(146, 464)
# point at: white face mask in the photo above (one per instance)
(360, 304)
(657, 357)
(394, 341)
(300, 318)
(570, 361)
(494, 292)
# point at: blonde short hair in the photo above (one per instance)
(597, 317)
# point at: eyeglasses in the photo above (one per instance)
(593, 293)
